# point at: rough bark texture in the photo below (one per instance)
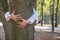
(23, 7)
(6, 25)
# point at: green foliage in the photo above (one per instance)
(46, 6)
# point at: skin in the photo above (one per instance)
(18, 17)
(23, 24)
(14, 17)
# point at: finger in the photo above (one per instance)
(13, 12)
(18, 19)
(23, 27)
(19, 14)
(18, 26)
(18, 23)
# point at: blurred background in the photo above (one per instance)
(48, 14)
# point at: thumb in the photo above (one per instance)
(13, 12)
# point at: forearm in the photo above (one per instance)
(33, 17)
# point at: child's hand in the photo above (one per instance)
(14, 17)
(23, 24)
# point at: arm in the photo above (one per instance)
(33, 17)
(29, 21)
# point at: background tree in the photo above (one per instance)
(56, 13)
(46, 10)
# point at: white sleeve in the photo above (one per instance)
(33, 17)
(7, 14)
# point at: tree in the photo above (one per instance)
(56, 13)
(6, 25)
(52, 12)
(23, 7)
(42, 11)
(46, 9)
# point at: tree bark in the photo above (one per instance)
(23, 7)
(6, 25)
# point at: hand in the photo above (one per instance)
(14, 17)
(22, 24)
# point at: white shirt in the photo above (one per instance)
(31, 19)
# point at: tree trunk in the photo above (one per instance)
(6, 25)
(52, 12)
(56, 23)
(23, 7)
(42, 12)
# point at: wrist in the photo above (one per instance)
(27, 22)
(10, 17)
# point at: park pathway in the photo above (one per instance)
(2, 34)
(41, 33)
